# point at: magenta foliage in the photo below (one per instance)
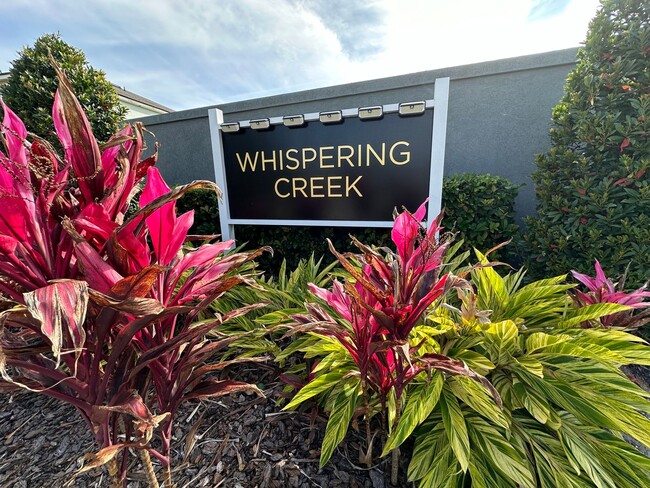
(104, 307)
(386, 297)
(602, 290)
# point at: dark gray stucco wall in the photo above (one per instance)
(499, 117)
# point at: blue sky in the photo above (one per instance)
(193, 53)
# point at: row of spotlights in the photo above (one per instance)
(409, 108)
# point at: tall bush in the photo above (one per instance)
(32, 83)
(593, 186)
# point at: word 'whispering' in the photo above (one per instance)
(326, 157)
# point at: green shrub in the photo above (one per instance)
(480, 208)
(593, 186)
(32, 83)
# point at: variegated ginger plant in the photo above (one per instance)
(504, 386)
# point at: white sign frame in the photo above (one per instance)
(439, 105)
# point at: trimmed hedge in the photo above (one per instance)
(481, 209)
(478, 207)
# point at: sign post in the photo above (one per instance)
(343, 168)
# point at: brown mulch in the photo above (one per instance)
(231, 442)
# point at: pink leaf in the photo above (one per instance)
(100, 275)
(586, 280)
(337, 298)
(200, 257)
(16, 192)
(601, 279)
(109, 156)
(61, 310)
(78, 141)
(181, 227)
(95, 222)
(127, 250)
(166, 231)
(7, 245)
(405, 231)
(15, 133)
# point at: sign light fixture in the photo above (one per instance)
(412, 108)
(230, 127)
(260, 124)
(331, 117)
(371, 112)
(293, 120)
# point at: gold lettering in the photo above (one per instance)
(323, 157)
(247, 161)
(359, 156)
(291, 158)
(381, 160)
(406, 155)
(270, 160)
(277, 192)
(313, 186)
(331, 187)
(304, 156)
(352, 186)
(300, 189)
(348, 157)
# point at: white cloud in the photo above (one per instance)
(199, 52)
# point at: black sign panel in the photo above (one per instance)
(356, 170)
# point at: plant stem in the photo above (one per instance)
(367, 459)
(148, 468)
(394, 455)
(168, 476)
(112, 469)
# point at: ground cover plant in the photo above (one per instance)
(102, 310)
(498, 384)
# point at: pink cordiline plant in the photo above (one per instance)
(103, 310)
(386, 298)
(602, 290)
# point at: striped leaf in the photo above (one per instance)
(318, 385)
(61, 310)
(340, 416)
(479, 399)
(456, 428)
(421, 402)
(591, 312)
(501, 340)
